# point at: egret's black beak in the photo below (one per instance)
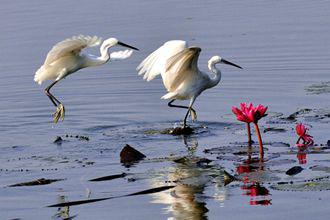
(230, 63)
(126, 45)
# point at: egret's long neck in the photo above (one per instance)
(95, 60)
(217, 74)
(104, 50)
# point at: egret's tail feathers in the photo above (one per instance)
(39, 77)
(48, 73)
(169, 95)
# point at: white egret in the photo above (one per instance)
(177, 64)
(66, 58)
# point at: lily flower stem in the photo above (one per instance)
(261, 147)
(249, 133)
(298, 140)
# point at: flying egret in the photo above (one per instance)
(177, 64)
(66, 58)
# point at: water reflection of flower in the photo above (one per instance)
(302, 155)
(259, 195)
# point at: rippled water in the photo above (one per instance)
(283, 47)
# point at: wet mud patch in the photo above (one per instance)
(161, 131)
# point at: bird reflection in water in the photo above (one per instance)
(259, 195)
(63, 213)
(186, 201)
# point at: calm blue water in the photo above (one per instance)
(283, 47)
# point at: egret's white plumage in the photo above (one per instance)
(177, 64)
(66, 58)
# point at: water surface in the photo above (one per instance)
(282, 46)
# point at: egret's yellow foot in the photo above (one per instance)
(59, 113)
(193, 114)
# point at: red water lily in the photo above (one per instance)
(307, 139)
(248, 113)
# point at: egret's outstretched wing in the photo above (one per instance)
(155, 63)
(180, 67)
(71, 46)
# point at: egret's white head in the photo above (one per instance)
(214, 60)
(117, 55)
(217, 59)
(110, 42)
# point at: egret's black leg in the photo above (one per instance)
(60, 110)
(185, 107)
(50, 96)
(180, 106)
(185, 118)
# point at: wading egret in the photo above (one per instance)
(66, 58)
(177, 64)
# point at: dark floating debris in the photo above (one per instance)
(79, 202)
(299, 112)
(79, 137)
(144, 192)
(37, 182)
(111, 177)
(310, 114)
(272, 129)
(294, 170)
(279, 144)
(58, 140)
(328, 143)
(232, 149)
(129, 155)
(228, 178)
(194, 161)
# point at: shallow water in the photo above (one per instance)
(282, 46)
